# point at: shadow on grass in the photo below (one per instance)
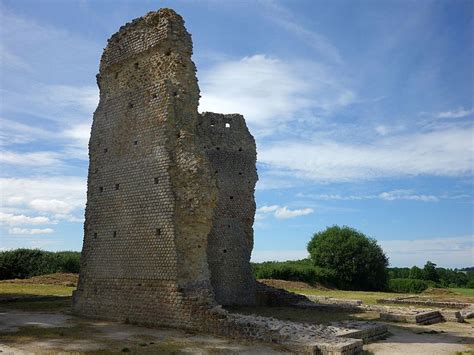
(39, 305)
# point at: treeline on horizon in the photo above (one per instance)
(401, 279)
(25, 263)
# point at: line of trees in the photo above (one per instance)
(24, 263)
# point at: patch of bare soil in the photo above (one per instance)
(59, 278)
(292, 284)
(446, 338)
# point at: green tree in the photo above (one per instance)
(416, 273)
(430, 272)
(357, 261)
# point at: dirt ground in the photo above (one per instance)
(53, 330)
(58, 333)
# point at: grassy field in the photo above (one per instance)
(18, 289)
(464, 291)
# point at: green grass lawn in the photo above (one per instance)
(464, 291)
(18, 289)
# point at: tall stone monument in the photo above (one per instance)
(170, 200)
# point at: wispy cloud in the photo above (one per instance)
(12, 220)
(40, 159)
(440, 153)
(33, 231)
(282, 212)
(57, 103)
(458, 113)
(452, 252)
(269, 90)
(393, 195)
(283, 17)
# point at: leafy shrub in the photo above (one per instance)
(24, 263)
(407, 285)
(358, 262)
(299, 270)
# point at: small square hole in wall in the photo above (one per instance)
(240, 149)
(224, 251)
(115, 234)
(217, 148)
(158, 231)
(156, 180)
(240, 173)
(227, 125)
(135, 142)
(117, 186)
(231, 197)
(101, 189)
(136, 65)
(105, 150)
(95, 235)
(154, 96)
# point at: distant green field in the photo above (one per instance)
(464, 291)
(18, 289)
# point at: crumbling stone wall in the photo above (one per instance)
(151, 194)
(231, 151)
(165, 235)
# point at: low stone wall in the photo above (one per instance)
(412, 300)
(415, 317)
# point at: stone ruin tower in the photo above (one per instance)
(170, 207)
(170, 201)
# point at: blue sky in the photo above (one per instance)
(362, 111)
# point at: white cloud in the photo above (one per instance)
(12, 220)
(459, 113)
(39, 159)
(444, 153)
(447, 252)
(267, 90)
(59, 198)
(406, 195)
(280, 212)
(54, 206)
(53, 102)
(26, 231)
(388, 196)
(285, 213)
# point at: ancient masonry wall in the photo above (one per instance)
(231, 151)
(151, 194)
(170, 207)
